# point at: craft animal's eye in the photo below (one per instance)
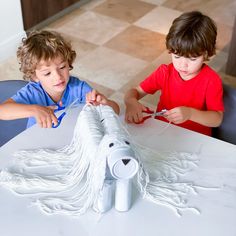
(111, 144)
(102, 120)
(127, 142)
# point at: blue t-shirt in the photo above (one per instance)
(33, 93)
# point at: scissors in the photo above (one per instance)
(151, 114)
(59, 118)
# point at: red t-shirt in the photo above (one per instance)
(203, 92)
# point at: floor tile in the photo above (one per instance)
(93, 27)
(218, 10)
(224, 34)
(164, 58)
(155, 2)
(138, 42)
(81, 46)
(135, 80)
(66, 19)
(92, 4)
(193, 5)
(224, 12)
(128, 11)
(100, 88)
(9, 70)
(108, 67)
(158, 20)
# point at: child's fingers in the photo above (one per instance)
(91, 97)
(98, 98)
(54, 107)
(101, 99)
(128, 118)
(88, 98)
(94, 95)
(52, 119)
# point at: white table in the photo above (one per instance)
(218, 207)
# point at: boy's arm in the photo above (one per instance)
(207, 118)
(10, 110)
(133, 112)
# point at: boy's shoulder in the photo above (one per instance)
(73, 78)
(32, 85)
(210, 71)
(76, 82)
(166, 67)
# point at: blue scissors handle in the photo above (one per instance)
(59, 119)
(59, 108)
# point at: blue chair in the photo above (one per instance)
(9, 129)
(227, 130)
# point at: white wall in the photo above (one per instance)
(11, 28)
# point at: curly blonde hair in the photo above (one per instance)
(43, 45)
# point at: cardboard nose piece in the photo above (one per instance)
(126, 161)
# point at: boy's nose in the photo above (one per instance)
(57, 75)
(183, 63)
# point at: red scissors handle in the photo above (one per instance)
(151, 114)
(148, 111)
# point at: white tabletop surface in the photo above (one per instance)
(217, 168)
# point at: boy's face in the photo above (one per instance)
(53, 76)
(188, 68)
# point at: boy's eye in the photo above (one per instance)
(176, 56)
(62, 67)
(193, 59)
(47, 74)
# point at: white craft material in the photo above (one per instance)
(105, 197)
(74, 178)
(122, 163)
(123, 195)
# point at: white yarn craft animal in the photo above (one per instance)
(102, 154)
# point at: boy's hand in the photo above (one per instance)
(96, 98)
(45, 116)
(178, 115)
(133, 113)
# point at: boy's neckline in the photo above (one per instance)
(195, 76)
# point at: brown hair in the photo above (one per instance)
(42, 45)
(192, 34)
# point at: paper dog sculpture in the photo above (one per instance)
(121, 167)
(97, 168)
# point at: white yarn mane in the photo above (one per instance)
(68, 180)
